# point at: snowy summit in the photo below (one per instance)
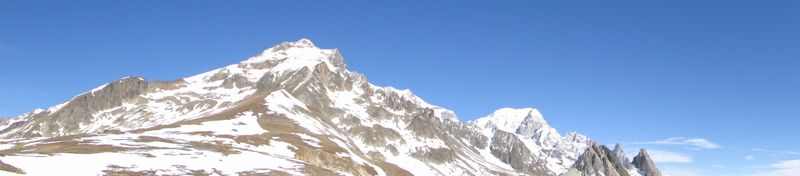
(293, 109)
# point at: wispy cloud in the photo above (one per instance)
(679, 172)
(780, 152)
(719, 166)
(693, 142)
(669, 157)
(749, 157)
(782, 168)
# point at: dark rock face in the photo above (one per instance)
(598, 160)
(435, 155)
(645, 164)
(509, 149)
(113, 94)
(236, 80)
(467, 132)
(424, 124)
(376, 135)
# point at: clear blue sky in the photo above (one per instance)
(627, 71)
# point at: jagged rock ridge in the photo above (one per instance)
(295, 108)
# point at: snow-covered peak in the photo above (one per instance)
(526, 122)
(282, 58)
(508, 119)
(302, 43)
(302, 46)
(296, 55)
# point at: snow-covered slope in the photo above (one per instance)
(529, 126)
(571, 154)
(292, 109)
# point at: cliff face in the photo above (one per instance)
(598, 160)
(67, 118)
(645, 164)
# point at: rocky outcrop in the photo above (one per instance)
(468, 132)
(66, 118)
(111, 95)
(645, 164)
(511, 150)
(597, 160)
(622, 157)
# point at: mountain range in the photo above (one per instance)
(293, 109)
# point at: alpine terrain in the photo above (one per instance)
(293, 109)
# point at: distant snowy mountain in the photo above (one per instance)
(532, 130)
(293, 109)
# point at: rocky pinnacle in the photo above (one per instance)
(645, 164)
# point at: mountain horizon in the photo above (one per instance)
(684, 88)
(300, 107)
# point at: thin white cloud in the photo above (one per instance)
(782, 168)
(669, 157)
(719, 166)
(749, 157)
(679, 172)
(694, 142)
(777, 151)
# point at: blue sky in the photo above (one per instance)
(642, 73)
